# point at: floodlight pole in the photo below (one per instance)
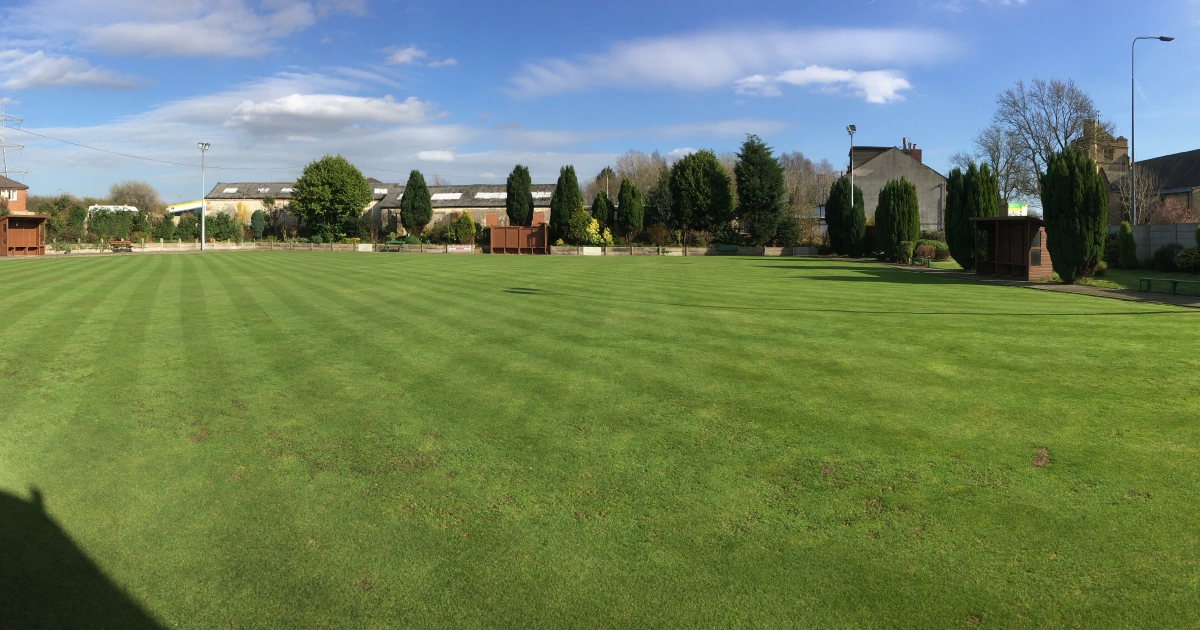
(850, 130)
(203, 146)
(1132, 123)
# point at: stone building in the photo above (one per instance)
(1179, 186)
(1111, 156)
(875, 166)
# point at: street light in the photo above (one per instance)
(850, 129)
(203, 146)
(1132, 123)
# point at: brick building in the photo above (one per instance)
(12, 193)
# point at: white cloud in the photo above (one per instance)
(21, 71)
(445, 62)
(405, 56)
(326, 112)
(712, 60)
(876, 86)
(435, 156)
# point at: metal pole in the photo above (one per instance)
(1132, 125)
(203, 192)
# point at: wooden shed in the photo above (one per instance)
(22, 235)
(1012, 247)
(521, 240)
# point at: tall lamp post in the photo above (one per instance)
(203, 146)
(1132, 122)
(850, 130)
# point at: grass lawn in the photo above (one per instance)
(1123, 279)
(305, 440)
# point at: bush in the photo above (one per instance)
(1188, 260)
(924, 251)
(1112, 249)
(463, 229)
(1128, 246)
(941, 254)
(412, 239)
(258, 223)
(931, 235)
(1101, 269)
(698, 238)
(904, 250)
(1164, 257)
(935, 244)
(316, 239)
(658, 234)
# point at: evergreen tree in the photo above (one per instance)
(1074, 205)
(165, 229)
(960, 234)
(657, 209)
(761, 192)
(565, 199)
(897, 217)
(416, 207)
(630, 209)
(1128, 246)
(188, 228)
(602, 210)
(845, 224)
(701, 192)
(258, 223)
(329, 191)
(518, 203)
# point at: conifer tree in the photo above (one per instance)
(565, 199)
(1074, 207)
(602, 210)
(416, 207)
(846, 224)
(762, 196)
(630, 209)
(960, 234)
(518, 202)
(1128, 246)
(897, 217)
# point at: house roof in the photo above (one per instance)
(870, 153)
(1178, 170)
(9, 184)
(471, 196)
(250, 190)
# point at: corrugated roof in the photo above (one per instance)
(10, 184)
(251, 190)
(468, 193)
(1178, 170)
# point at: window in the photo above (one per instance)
(445, 196)
(10, 195)
(491, 195)
(380, 191)
(1035, 258)
(228, 190)
(1037, 239)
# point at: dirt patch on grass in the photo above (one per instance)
(1041, 459)
(364, 585)
(198, 437)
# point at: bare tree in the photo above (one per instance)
(606, 180)
(641, 168)
(1003, 152)
(1045, 117)
(438, 180)
(808, 185)
(138, 194)
(1146, 194)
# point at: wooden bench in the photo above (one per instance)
(121, 246)
(1147, 284)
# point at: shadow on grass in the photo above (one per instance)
(796, 309)
(46, 581)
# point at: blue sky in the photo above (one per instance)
(467, 89)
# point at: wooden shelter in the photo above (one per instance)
(1012, 247)
(22, 235)
(521, 240)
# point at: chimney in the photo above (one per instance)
(911, 150)
(905, 144)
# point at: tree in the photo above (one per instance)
(138, 194)
(165, 229)
(606, 181)
(518, 203)
(643, 169)
(1001, 149)
(960, 233)
(188, 228)
(602, 209)
(329, 191)
(258, 223)
(416, 207)
(565, 199)
(462, 229)
(897, 217)
(808, 185)
(846, 225)
(1147, 195)
(1074, 206)
(1128, 246)
(1045, 117)
(762, 192)
(701, 192)
(629, 203)
(657, 208)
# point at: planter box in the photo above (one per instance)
(618, 251)
(564, 250)
(460, 249)
(364, 247)
(804, 251)
(643, 251)
(773, 251)
(591, 251)
(341, 247)
(750, 251)
(700, 251)
(670, 251)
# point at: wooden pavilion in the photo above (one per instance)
(22, 235)
(1012, 247)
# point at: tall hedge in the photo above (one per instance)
(416, 207)
(847, 225)
(518, 203)
(630, 209)
(565, 199)
(1074, 207)
(1128, 246)
(602, 209)
(762, 195)
(897, 217)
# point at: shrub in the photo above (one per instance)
(412, 239)
(658, 234)
(577, 227)
(1164, 257)
(258, 223)
(924, 251)
(1188, 259)
(935, 244)
(1101, 269)
(904, 250)
(354, 240)
(941, 254)
(464, 229)
(1198, 236)
(1127, 246)
(165, 228)
(932, 235)
(699, 238)
(316, 239)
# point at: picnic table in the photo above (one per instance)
(1147, 284)
(121, 246)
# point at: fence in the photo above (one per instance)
(1150, 237)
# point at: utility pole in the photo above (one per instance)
(203, 146)
(1132, 121)
(850, 130)
(5, 145)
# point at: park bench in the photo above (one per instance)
(1147, 284)
(121, 246)
(727, 250)
(923, 262)
(393, 246)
